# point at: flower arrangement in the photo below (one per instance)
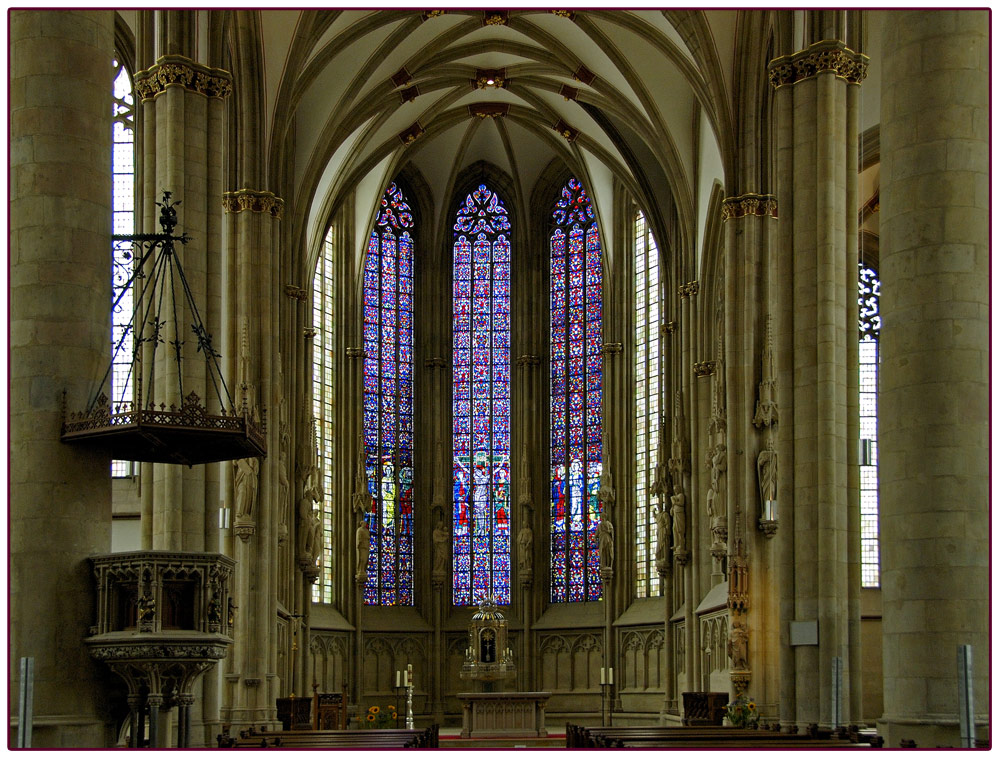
(376, 718)
(742, 712)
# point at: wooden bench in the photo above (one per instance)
(700, 736)
(381, 739)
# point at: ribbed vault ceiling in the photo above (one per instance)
(612, 94)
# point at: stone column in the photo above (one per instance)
(255, 218)
(60, 340)
(934, 382)
(816, 352)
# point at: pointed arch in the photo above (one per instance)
(481, 399)
(575, 386)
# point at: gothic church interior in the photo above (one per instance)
(661, 333)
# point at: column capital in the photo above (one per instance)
(749, 204)
(256, 201)
(688, 289)
(355, 352)
(823, 56)
(181, 71)
(296, 292)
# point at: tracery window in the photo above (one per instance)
(481, 400)
(869, 323)
(575, 397)
(647, 402)
(122, 260)
(388, 401)
(323, 405)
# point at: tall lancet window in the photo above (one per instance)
(323, 405)
(575, 397)
(647, 405)
(869, 324)
(122, 260)
(388, 401)
(481, 400)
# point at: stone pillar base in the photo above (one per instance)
(926, 733)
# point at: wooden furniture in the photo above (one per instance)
(703, 737)
(329, 710)
(513, 715)
(704, 708)
(293, 713)
(352, 739)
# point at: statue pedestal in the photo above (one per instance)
(512, 715)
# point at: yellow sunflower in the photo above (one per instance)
(373, 709)
(371, 717)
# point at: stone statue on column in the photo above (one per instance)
(362, 545)
(662, 517)
(440, 539)
(679, 522)
(606, 542)
(525, 539)
(310, 527)
(767, 473)
(737, 646)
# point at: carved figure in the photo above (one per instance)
(214, 610)
(146, 608)
(245, 484)
(662, 528)
(679, 518)
(606, 542)
(524, 540)
(767, 472)
(736, 646)
(716, 491)
(440, 537)
(363, 545)
(283, 484)
(231, 612)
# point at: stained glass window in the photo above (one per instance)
(575, 397)
(481, 400)
(388, 401)
(323, 405)
(122, 261)
(647, 403)
(869, 324)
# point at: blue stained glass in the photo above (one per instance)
(388, 401)
(575, 393)
(481, 320)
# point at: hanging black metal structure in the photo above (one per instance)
(139, 429)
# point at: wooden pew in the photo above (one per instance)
(698, 736)
(359, 739)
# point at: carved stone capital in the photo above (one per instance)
(435, 362)
(355, 352)
(669, 327)
(741, 679)
(682, 557)
(749, 204)
(256, 201)
(244, 531)
(611, 349)
(528, 359)
(704, 368)
(768, 526)
(688, 289)
(180, 71)
(823, 56)
(309, 333)
(295, 292)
